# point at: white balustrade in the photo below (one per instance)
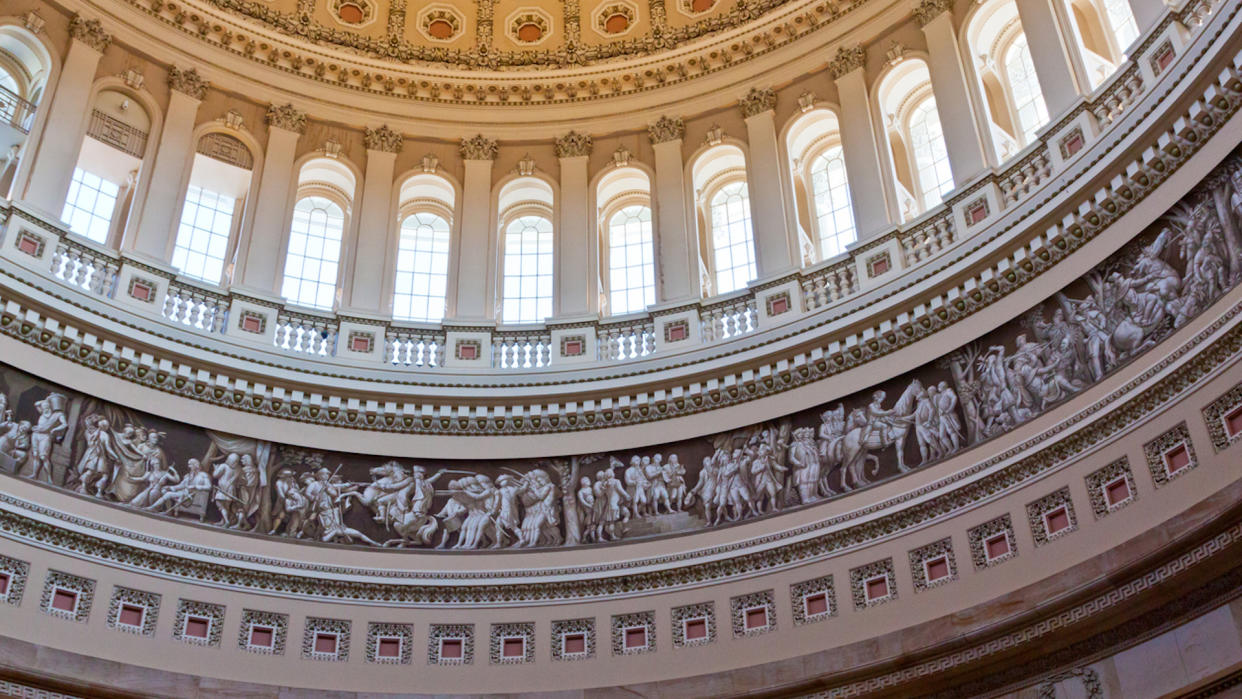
(634, 339)
(729, 319)
(521, 350)
(412, 347)
(826, 285)
(82, 267)
(195, 308)
(305, 334)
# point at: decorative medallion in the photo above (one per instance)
(615, 18)
(528, 26)
(813, 600)
(1170, 455)
(873, 584)
(326, 639)
(992, 542)
(1051, 517)
(694, 625)
(753, 614)
(512, 644)
(573, 639)
(933, 565)
(439, 22)
(199, 623)
(633, 633)
(353, 13)
(390, 644)
(133, 611)
(1111, 488)
(695, 8)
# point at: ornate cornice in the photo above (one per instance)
(666, 129)
(847, 60)
(187, 82)
(286, 117)
(574, 145)
(90, 32)
(383, 139)
(479, 147)
(927, 10)
(757, 101)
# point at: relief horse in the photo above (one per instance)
(866, 434)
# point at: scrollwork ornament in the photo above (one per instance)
(757, 101)
(846, 60)
(574, 145)
(286, 117)
(479, 147)
(188, 82)
(928, 10)
(383, 139)
(90, 32)
(666, 129)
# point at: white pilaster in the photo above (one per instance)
(777, 248)
(371, 254)
(861, 151)
(576, 252)
(160, 212)
(260, 250)
(52, 171)
(1060, 69)
(677, 267)
(474, 299)
(954, 101)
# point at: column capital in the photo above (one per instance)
(574, 145)
(478, 147)
(927, 10)
(666, 129)
(757, 101)
(383, 139)
(286, 117)
(188, 82)
(89, 32)
(847, 60)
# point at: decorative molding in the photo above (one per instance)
(1098, 482)
(1215, 415)
(704, 611)
(847, 60)
(402, 633)
(148, 601)
(980, 535)
(1156, 451)
(927, 10)
(286, 117)
(757, 101)
(496, 645)
(1037, 513)
(622, 622)
(278, 623)
(666, 129)
(188, 82)
(18, 572)
(574, 145)
(338, 629)
(84, 587)
(213, 613)
(740, 606)
(383, 139)
(862, 575)
(452, 632)
(479, 147)
(920, 557)
(799, 592)
(89, 32)
(573, 627)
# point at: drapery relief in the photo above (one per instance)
(1153, 285)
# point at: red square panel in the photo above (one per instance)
(573, 348)
(1056, 521)
(756, 618)
(937, 569)
(4, 583)
(513, 648)
(262, 636)
(1233, 421)
(141, 291)
(388, 648)
(450, 648)
(636, 637)
(696, 629)
(877, 588)
(196, 627)
(976, 213)
(1165, 56)
(816, 604)
(573, 643)
(130, 615)
(325, 643)
(65, 600)
(1074, 143)
(879, 266)
(252, 324)
(468, 351)
(1116, 491)
(28, 245)
(360, 344)
(780, 305)
(997, 546)
(1176, 459)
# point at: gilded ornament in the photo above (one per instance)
(928, 10)
(90, 32)
(479, 147)
(383, 139)
(846, 60)
(187, 82)
(526, 166)
(286, 117)
(757, 101)
(666, 129)
(574, 145)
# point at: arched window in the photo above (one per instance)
(422, 268)
(527, 285)
(1027, 97)
(220, 180)
(312, 263)
(24, 68)
(732, 241)
(931, 157)
(89, 205)
(101, 191)
(1121, 18)
(831, 194)
(631, 260)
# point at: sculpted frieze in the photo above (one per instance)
(1123, 307)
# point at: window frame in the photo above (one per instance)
(912, 103)
(714, 185)
(341, 199)
(514, 212)
(613, 207)
(806, 164)
(408, 209)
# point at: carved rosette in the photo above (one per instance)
(666, 129)
(187, 82)
(479, 147)
(928, 10)
(383, 139)
(286, 117)
(90, 32)
(847, 60)
(574, 145)
(757, 101)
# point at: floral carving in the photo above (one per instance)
(479, 147)
(383, 139)
(666, 129)
(187, 82)
(928, 10)
(286, 117)
(846, 60)
(757, 101)
(573, 145)
(90, 32)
